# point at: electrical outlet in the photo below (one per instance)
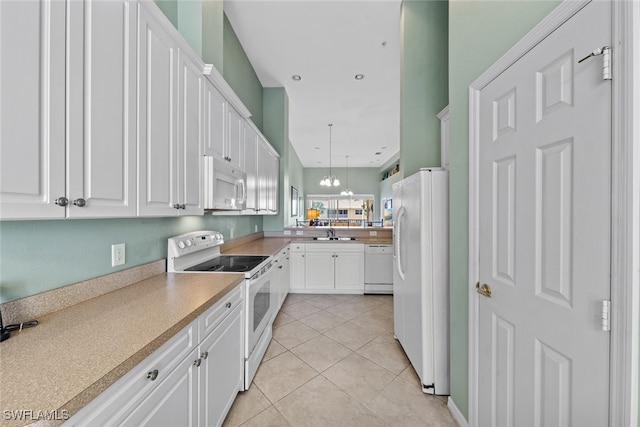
(373, 233)
(117, 254)
(287, 232)
(299, 232)
(232, 232)
(255, 228)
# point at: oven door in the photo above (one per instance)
(260, 306)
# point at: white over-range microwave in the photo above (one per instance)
(225, 186)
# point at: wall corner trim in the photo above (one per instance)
(455, 412)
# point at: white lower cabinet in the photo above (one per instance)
(173, 402)
(221, 369)
(186, 382)
(282, 276)
(297, 266)
(329, 267)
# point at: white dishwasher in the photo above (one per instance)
(378, 269)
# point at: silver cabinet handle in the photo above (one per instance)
(176, 206)
(61, 201)
(197, 362)
(183, 206)
(152, 375)
(80, 202)
(205, 355)
(228, 305)
(280, 266)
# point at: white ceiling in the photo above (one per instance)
(327, 43)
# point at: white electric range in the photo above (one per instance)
(199, 252)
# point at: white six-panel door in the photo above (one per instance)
(544, 237)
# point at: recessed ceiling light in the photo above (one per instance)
(359, 76)
(296, 77)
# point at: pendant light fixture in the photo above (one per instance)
(330, 180)
(347, 191)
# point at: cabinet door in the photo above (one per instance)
(157, 54)
(319, 270)
(251, 166)
(272, 185)
(215, 122)
(174, 402)
(235, 141)
(101, 102)
(263, 176)
(297, 270)
(349, 270)
(32, 109)
(222, 369)
(190, 127)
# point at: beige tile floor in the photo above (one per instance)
(333, 361)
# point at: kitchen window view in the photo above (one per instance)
(340, 211)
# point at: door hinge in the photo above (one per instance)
(606, 315)
(605, 51)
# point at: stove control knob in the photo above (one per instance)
(189, 243)
(218, 236)
(181, 244)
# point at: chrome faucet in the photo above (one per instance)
(331, 232)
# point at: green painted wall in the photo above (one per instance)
(36, 256)
(212, 32)
(423, 82)
(296, 179)
(480, 32)
(361, 181)
(170, 10)
(239, 73)
(276, 129)
(190, 23)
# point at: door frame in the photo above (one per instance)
(625, 203)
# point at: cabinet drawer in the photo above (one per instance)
(335, 247)
(219, 311)
(122, 397)
(297, 247)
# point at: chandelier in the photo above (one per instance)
(330, 180)
(347, 191)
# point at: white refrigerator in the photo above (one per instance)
(420, 275)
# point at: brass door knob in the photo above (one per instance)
(483, 290)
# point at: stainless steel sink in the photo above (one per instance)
(334, 238)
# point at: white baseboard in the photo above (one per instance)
(457, 415)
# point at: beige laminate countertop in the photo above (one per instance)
(75, 354)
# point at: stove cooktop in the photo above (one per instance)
(230, 263)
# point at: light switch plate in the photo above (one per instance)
(287, 232)
(373, 233)
(299, 232)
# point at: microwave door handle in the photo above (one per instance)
(243, 185)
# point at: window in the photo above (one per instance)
(344, 210)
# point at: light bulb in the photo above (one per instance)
(336, 182)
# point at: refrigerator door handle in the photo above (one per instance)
(398, 241)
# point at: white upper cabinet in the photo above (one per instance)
(191, 108)
(224, 129)
(251, 166)
(215, 122)
(68, 115)
(101, 132)
(235, 143)
(170, 119)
